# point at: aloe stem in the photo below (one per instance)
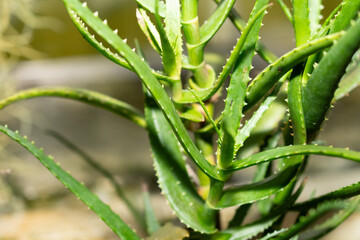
(190, 25)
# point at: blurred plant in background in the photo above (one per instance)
(18, 21)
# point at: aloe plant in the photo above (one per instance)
(323, 67)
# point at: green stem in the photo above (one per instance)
(190, 25)
(215, 192)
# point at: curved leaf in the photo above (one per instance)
(150, 5)
(214, 22)
(349, 82)
(316, 214)
(286, 151)
(301, 21)
(330, 224)
(90, 199)
(235, 99)
(172, 176)
(251, 230)
(90, 97)
(265, 80)
(342, 193)
(149, 80)
(106, 52)
(319, 90)
(256, 191)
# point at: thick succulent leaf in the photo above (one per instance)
(256, 191)
(214, 22)
(319, 90)
(297, 122)
(206, 93)
(235, 99)
(150, 5)
(91, 200)
(273, 234)
(251, 124)
(287, 151)
(349, 82)
(172, 175)
(265, 80)
(239, 23)
(342, 193)
(114, 57)
(316, 214)
(349, 10)
(90, 97)
(149, 29)
(253, 229)
(330, 224)
(192, 115)
(173, 34)
(315, 7)
(301, 21)
(168, 52)
(149, 80)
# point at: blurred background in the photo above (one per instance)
(39, 46)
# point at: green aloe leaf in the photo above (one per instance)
(192, 115)
(149, 80)
(250, 193)
(349, 82)
(114, 57)
(150, 5)
(91, 200)
(149, 29)
(342, 193)
(265, 80)
(301, 21)
(240, 24)
(316, 214)
(90, 97)
(251, 124)
(287, 151)
(171, 38)
(297, 124)
(253, 229)
(172, 175)
(214, 22)
(319, 90)
(320, 230)
(349, 10)
(235, 99)
(315, 7)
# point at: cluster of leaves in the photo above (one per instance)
(323, 67)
